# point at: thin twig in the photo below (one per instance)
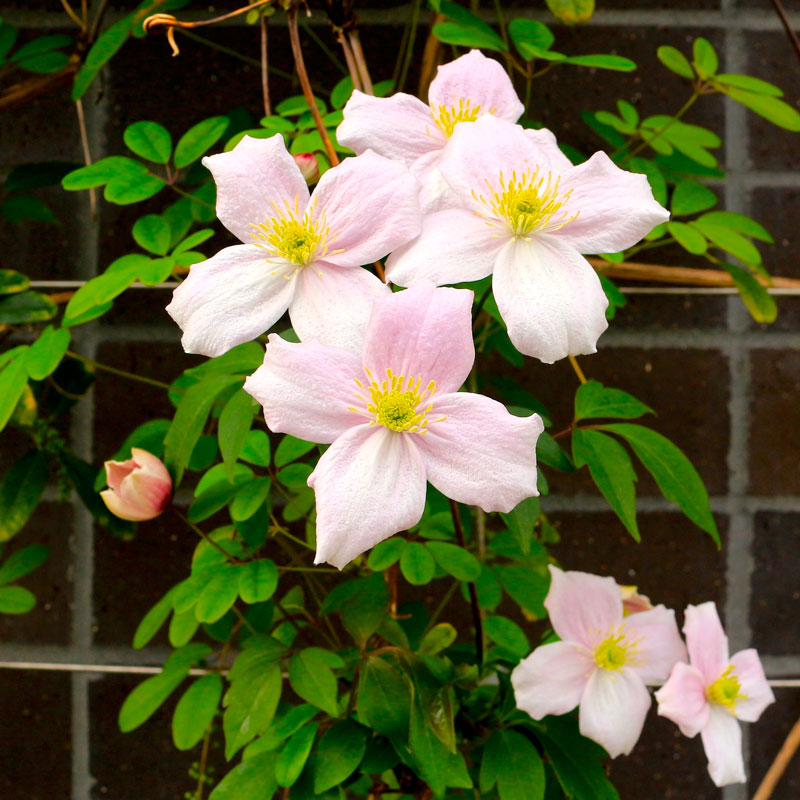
(578, 370)
(72, 15)
(114, 371)
(671, 121)
(201, 778)
(349, 60)
(98, 20)
(264, 67)
(778, 766)
(788, 28)
(87, 156)
(473, 593)
(412, 35)
(205, 537)
(361, 62)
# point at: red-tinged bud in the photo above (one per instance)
(139, 488)
(633, 602)
(308, 167)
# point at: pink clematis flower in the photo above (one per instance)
(602, 662)
(303, 253)
(404, 128)
(395, 418)
(526, 215)
(139, 488)
(708, 695)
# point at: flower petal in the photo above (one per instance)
(371, 205)
(613, 708)
(399, 126)
(435, 193)
(124, 508)
(659, 646)
(582, 606)
(552, 678)
(332, 304)
(615, 208)
(550, 298)
(683, 699)
(422, 332)
(306, 389)
(231, 298)
(706, 641)
(250, 178)
(370, 483)
(479, 79)
(455, 245)
(547, 145)
(480, 454)
(758, 695)
(722, 740)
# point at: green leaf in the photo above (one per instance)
(749, 84)
(289, 449)
(438, 638)
(198, 139)
(594, 400)
(102, 172)
(219, 595)
(673, 472)
(295, 105)
(738, 222)
(182, 628)
(253, 779)
(689, 197)
(23, 562)
(46, 352)
(771, 108)
(149, 140)
(189, 421)
(157, 270)
(22, 489)
(529, 32)
(195, 711)
(13, 380)
(729, 240)
(705, 57)
(249, 498)
(127, 189)
(8, 36)
(526, 587)
(386, 553)
(311, 676)
(26, 307)
(256, 449)
(16, 600)
(611, 469)
(120, 274)
(508, 635)
(571, 12)
(152, 232)
(384, 698)
(258, 580)
(601, 61)
(234, 423)
(21, 207)
(104, 48)
(688, 238)
(153, 620)
(468, 36)
(521, 519)
(190, 242)
(294, 755)
(675, 61)
(759, 301)
(514, 764)
(340, 93)
(12, 282)
(295, 476)
(417, 564)
(35, 176)
(338, 754)
(455, 560)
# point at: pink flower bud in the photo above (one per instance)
(633, 602)
(308, 167)
(139, 488)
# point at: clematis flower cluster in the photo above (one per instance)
(606, 659)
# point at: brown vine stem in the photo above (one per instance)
(302, 74)
(87, 156)
(72, 15)
(473, 594)
(264, 67)
(787, 26)
(349, 60)
(361, 62)
(205, 537)
(114, 371)
(778, 766)
(201, 769)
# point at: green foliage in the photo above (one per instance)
(195, 711)
(571, 12)
(100, 53)
(21, 490)
(311, 676)
(513, 763)
(464, 28)
(594, 400)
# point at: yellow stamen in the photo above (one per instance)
(528, 202)
(447, 117)
(616, 651)
(726, 690)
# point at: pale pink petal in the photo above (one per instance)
(370, 483)
(230, 299)
(479, 79)
(615, 208)
(333, 304)
(422, 332)
(550, 298)
(455, 246)
(116, 471)
(706, 641)
(399, 126)
(480, 454)
(370, 205)
(757, 693)
(124, 508)
(683, 700)
(435, 193)
(582, 607)
(613, 708)
(722, 740)
(658, 643)
(250, 178)
(551, 155)
(552, 678)
(306, 389)
(150, 493)
(150, 464)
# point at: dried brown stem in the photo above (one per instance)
(87, 156)
(71, 14)
(778, 766)
(265, 68)
(361, 62)
(349, 59)
(786, 26)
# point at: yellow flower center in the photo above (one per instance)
(299, 239)
(397, 403)
(617, 651)
(726, 689)
(528, 202)
(447, 117)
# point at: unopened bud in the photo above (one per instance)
(308, 167)
(633, 602)
(139, 488)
